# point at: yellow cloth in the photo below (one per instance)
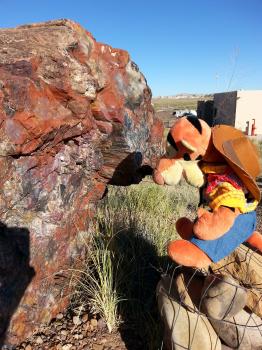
(227, 195)
(224, 193)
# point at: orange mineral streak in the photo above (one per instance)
(74, 114)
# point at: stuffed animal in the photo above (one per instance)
(223, 163)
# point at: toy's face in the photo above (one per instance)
(188, 139)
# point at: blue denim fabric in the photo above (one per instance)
(242, 229)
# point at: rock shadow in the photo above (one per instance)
(130, 170)
(15, 272)
(138, 269)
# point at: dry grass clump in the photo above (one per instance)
(128, 256)
(96, 285)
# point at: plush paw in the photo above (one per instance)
(168, 171)
(255, 240)
(193, 174)
(187, 254)
(212, 225)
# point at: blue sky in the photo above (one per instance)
(195, 46)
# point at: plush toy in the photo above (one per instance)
(223, 163)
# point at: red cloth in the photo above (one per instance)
(215, 180)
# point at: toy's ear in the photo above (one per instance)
(190, 137)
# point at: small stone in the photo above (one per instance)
(67, 347)
(59, 316)
(85, 318)
(28, 347)
(39, 340)
(98, 347)
(64, 332)
(77, 320)
(101, 324)
(86, 326)
(93, 322)
(76, 336)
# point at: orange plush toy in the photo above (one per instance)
(223, 163)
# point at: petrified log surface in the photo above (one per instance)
(75, 114)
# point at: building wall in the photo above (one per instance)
(205, 111)
(225, 108)
(249, 106)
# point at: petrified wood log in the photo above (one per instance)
(75, 115)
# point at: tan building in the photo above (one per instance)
(242, 109)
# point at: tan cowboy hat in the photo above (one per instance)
(240, 153)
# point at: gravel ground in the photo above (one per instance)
(74, 332)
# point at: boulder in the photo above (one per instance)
(242, 332)
(245, 266)
(75, 115)
(222, 297)
(184, 326)
(223, 302)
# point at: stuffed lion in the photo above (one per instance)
(223, 163)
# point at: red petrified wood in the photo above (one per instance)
(75, 114)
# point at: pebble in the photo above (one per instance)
(78, 336)
(93, 322)
(101, 324)
(67, 347)
(59, 316)
(63, 337)
(98, 347)
(39, 340)
(85, 318)
(77, 320)
(59, 347)
(28, 347)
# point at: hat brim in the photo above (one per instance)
(240, 153)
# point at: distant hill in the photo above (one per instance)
(184, 96)
(179, 101)
(166, 105)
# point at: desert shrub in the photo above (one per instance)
(128, 256)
